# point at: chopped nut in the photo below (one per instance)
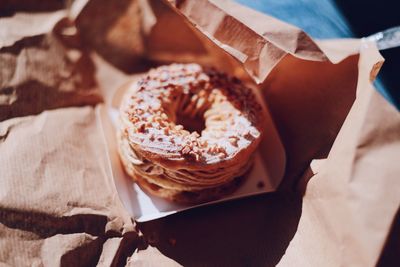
(162, 124)
(141, 128)
(233, 141)
(195, 134)
(248, 136)
(166, 131)
(216, 150)
(186, 149)
(164, 116)
(179, 127)
(133, 119)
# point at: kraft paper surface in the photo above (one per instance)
(58, 201)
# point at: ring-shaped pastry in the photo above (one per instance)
(162, 145)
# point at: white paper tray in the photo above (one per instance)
(267, 171)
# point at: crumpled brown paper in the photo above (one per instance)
(42, 65)
(351, 203)
(117, 35)
(58, 203)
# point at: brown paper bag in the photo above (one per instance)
(58, 203)
(351, 203)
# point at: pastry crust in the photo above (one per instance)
(168, 160)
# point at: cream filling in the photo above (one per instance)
(182, 179)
